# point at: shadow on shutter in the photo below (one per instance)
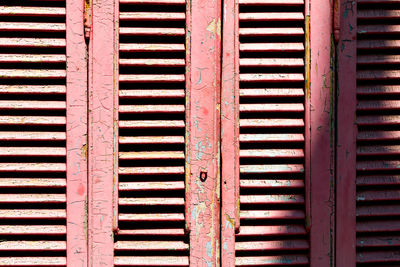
(272, 207)
(151, 134)
(32, 134)
(378, 118)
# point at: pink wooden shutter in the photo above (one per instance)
(153, 133)
(43, 134)
(277, 169)
(374, 151)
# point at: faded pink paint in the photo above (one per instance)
(203, 131)
(320, 150)
(101, 133)
(76, 137)
(230, 133)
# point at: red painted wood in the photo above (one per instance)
(230, 218)
(76, 137)
(101, 133)
(321, 136)
(347, 135)
(203, 131)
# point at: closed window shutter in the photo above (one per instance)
(151, 188)
(378, 117)
(271, 118)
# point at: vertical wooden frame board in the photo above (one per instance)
(76, 135)
(205, 38)
(229, 133)
(346, 134)
(321, 135)
(101, 133)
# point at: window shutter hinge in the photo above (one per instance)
(87, 19)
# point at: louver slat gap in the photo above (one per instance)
(378, 165)
(33, 137)
(271, 64)
(151, 158)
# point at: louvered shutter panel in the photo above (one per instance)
(37, 107)
(378, 117)
(151, 129)
(271, 118)
(374, 86)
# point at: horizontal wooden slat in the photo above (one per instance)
(32, 89)
(270, 138)
(32, 58)
(32, 73)
(31, 11)
(41, 230)
(384, 226)
(32, 136)
(151, 109)
(283, 260)
(151, 16)
(271, 153)
(271, 245)
(151, 62)
(273, 31)
(271, 92)
(144, 124)
(151, 140)
(151, 170)
(364, 60)
(378, 256)
(32, 151)
(271, 77)
(271, 123)
(376, 75)
(284, 168)
(378, 150)
(271, 199)
(378, 44)
(153, 232)
(378, 210)
(378, 1)
(378, 165)
(378, 90)
(375, 14)
(271, 47)
(272, 2)
(151, 217)
(148, 201)
(270, 184)
(151, 186)
(32, 42)
(152, 47)
(32, 27)
(375, 105)
(151, 31)
(32, 167)
(33, 261)
(151, 245)
(378, 29)
(33, 214)
(378, 195)
(151, 155)
(274, 230)
(151, 260)
(154, 78)
(153, 2)
(271, 107)
(32, 198)
(32, 245)
(38, 105)
(376, 120)
(378, 180)
(271, 16)
(146, 93)
(271, 214)
(271, 62)
(32, 182)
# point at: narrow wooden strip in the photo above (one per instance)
(272, 2)
(32, 151)
(271, 123)
(153, 232)
(151, 186)
(32, 136)
(271, 77)
(378, 150)
(151, 155)
(33, 261)
(271, 16)
(283, 260)
(32, 42)
(271, 138)
(274, 230)
(151, 260)
(271, 199)
(377, 211)
(273, 31)
(32, 182)
(32, 167)
(153, 2)
(32, 120)
(272, 245)
(151, 62)
(151, 78)
(378, 165)
(271, 214)
(271, 92)
(369, 75)
(378, 180)
(151, 31)
(371, 120)
(271, 47)
(19, 214)
(40, 230)
(151, 245)
(32, 11)
(32, 198)
(32, 245)
(151, 16)
(379, 256)
(271, 153)
(378, 44)
(378, 241)
(378, 29)
(152, 47)
(32, 73)
(150, 124)
(150, 170)
(32, 58)
(37, 105)
(151, 140)
(32, 89)
(32, 27)
(375, 195)
(151, 217)
(270, 184)
(378, 90)
(163, 201)
(270, 107)
(381, 105)
(381, 226)
(365, 60)
(145, 93)
(284, 168)
(131, 109)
